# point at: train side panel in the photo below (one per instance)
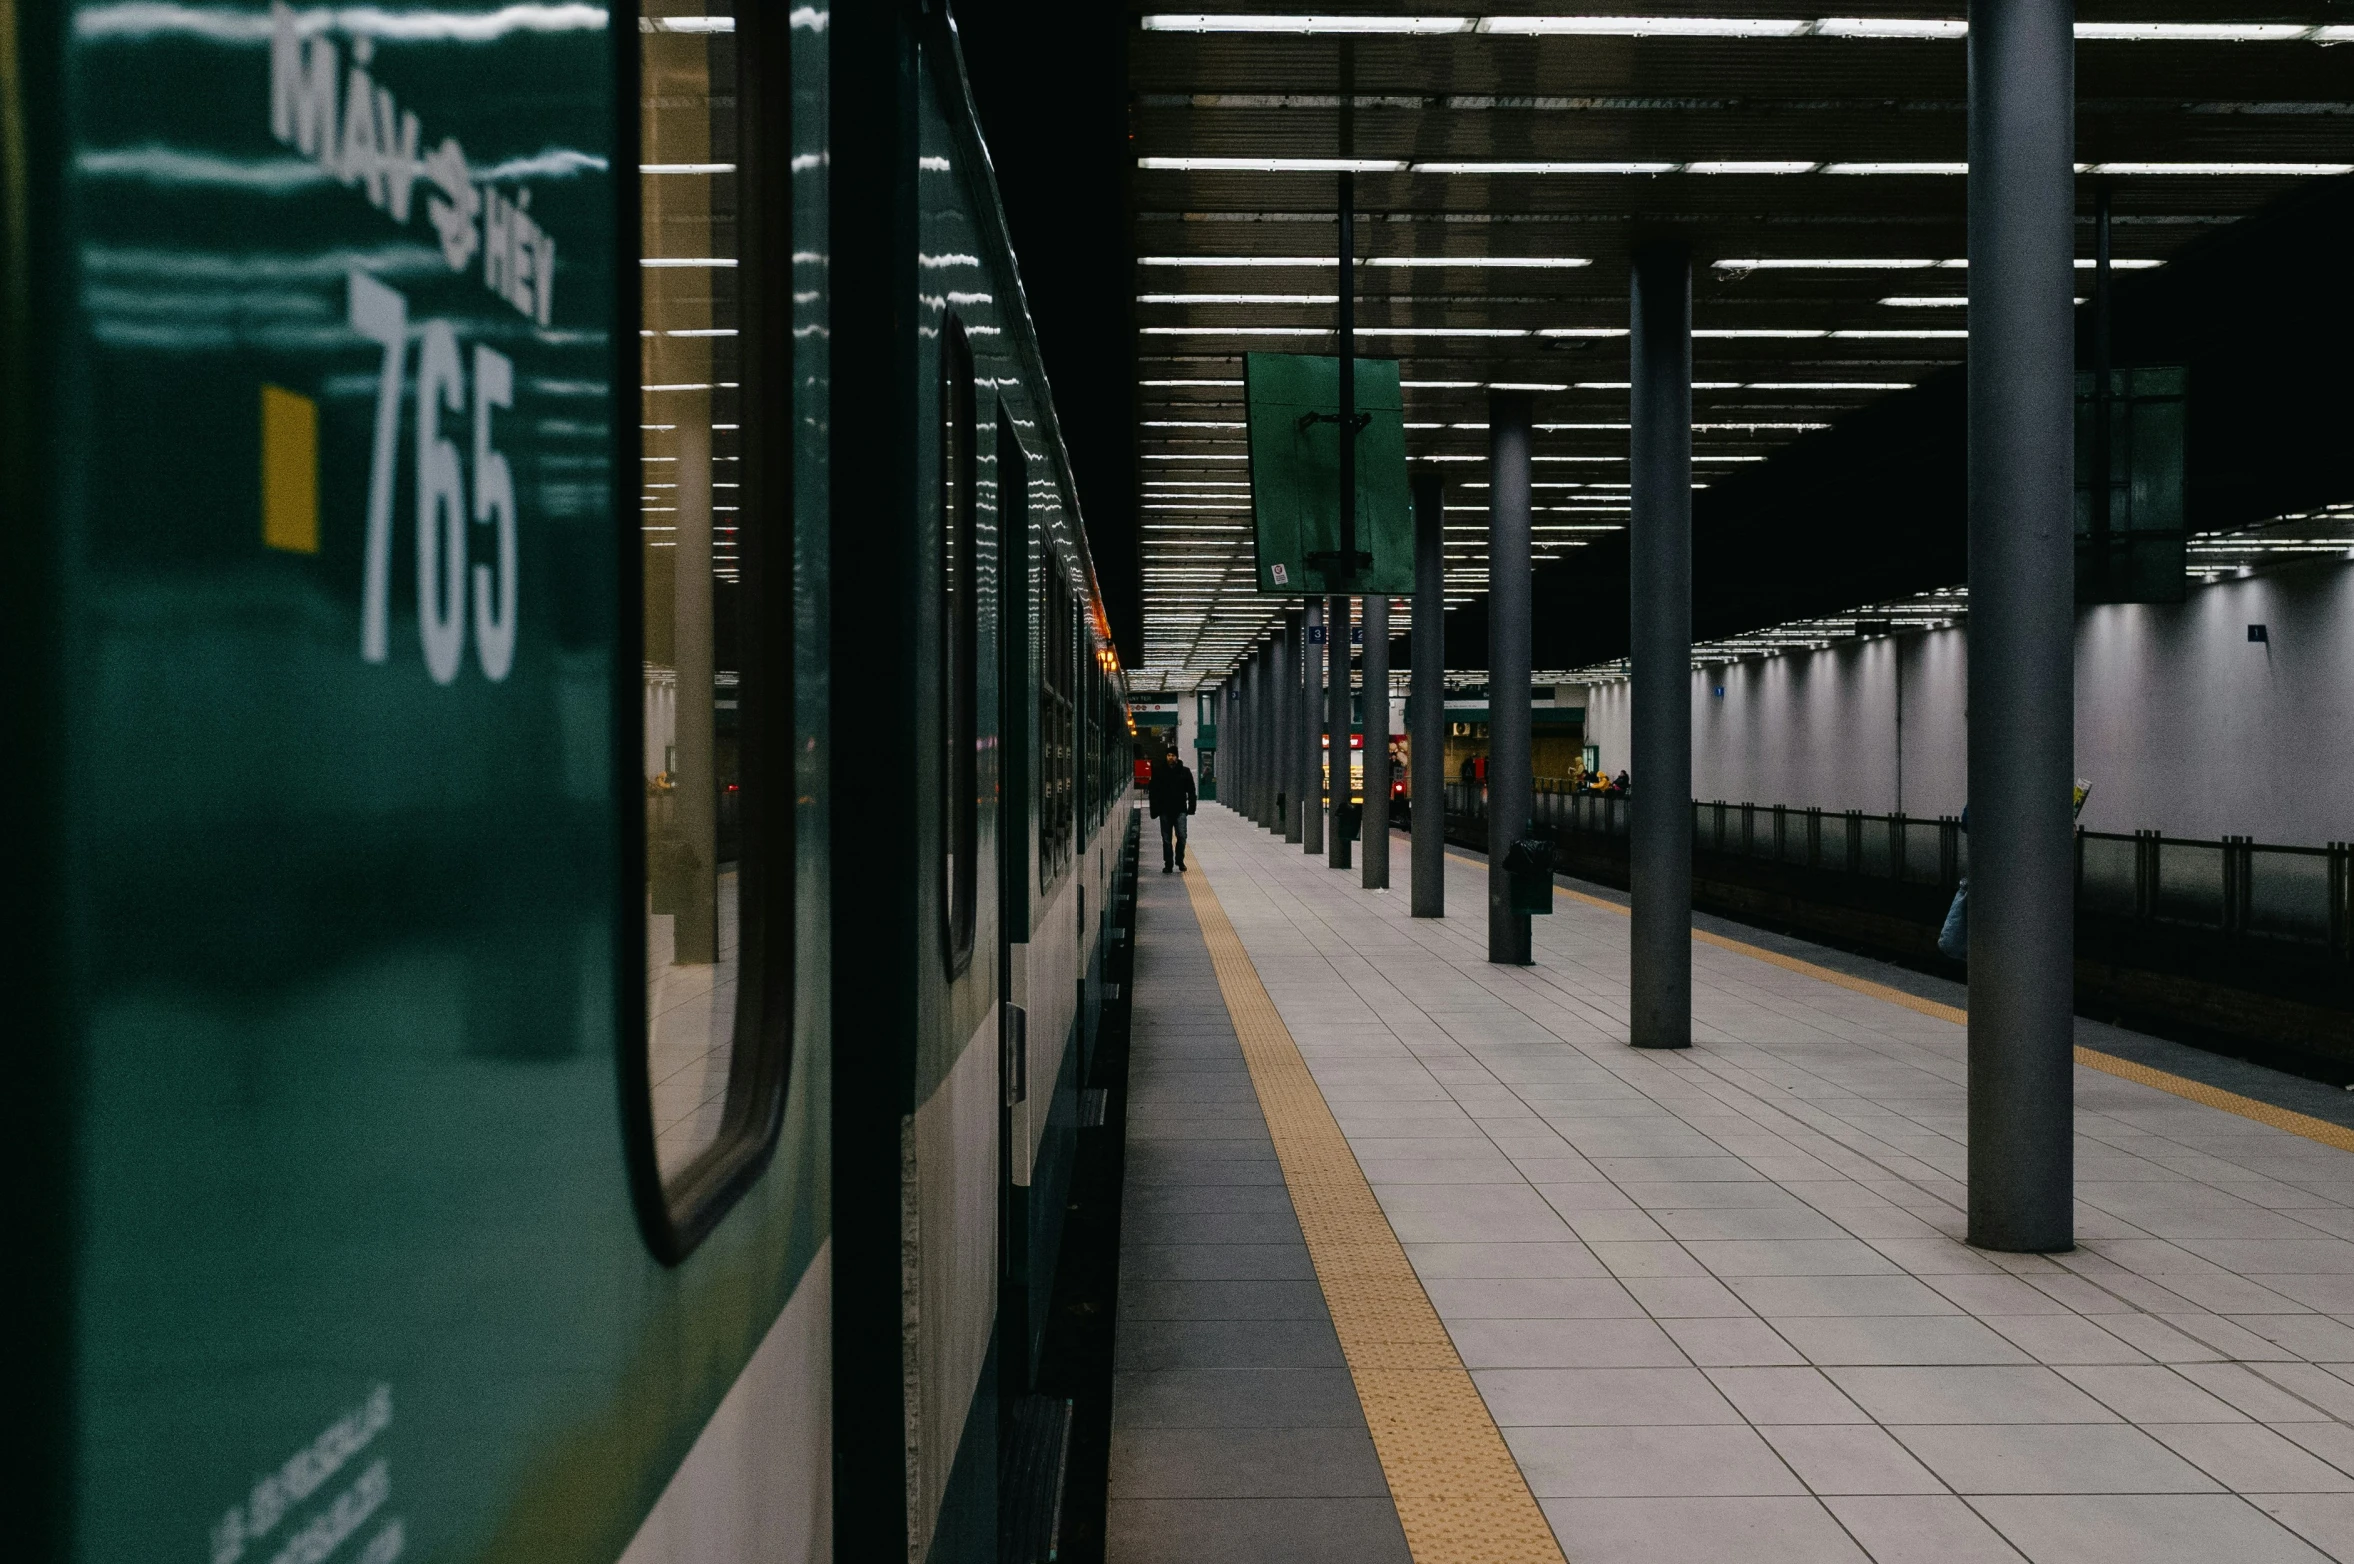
(343, 912)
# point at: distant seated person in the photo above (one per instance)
(1619, 784)
(1172, 798)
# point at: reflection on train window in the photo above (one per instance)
(1055, 723)
(710, 1093)
(959, 643)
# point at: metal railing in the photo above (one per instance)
(2235, 887)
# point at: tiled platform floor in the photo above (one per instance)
(1236, 1433)
(1717, 1300)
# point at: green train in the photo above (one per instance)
(566, 785)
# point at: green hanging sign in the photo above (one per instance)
(1292, 402)
(2135, 554)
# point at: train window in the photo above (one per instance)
(704, 1112)
(959, 645)
(1055, 723)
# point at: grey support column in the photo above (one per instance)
(1336, 607)
(1376, 831)
(1229, 708)
(2022, 623)
(692, 882)
(1218, 704)
(1252, 689)
(1233, 707)
(1262, 724)
(1336, 724)
(1246, 726)
(1426, 702)
(1511, 787)
(1262, 704)
(1266, 703)
(1270, 727)
(1659, 548)
(1295, 644)
(1309, 731)
(1273, 757)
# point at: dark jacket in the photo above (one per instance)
(1172, 789)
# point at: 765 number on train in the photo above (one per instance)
(445, 586)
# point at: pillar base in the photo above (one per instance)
(2008, 1243)
(1508, 939)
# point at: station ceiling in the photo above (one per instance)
(1506, 164)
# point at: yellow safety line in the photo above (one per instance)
(1459, 1494)
(2302, 1124)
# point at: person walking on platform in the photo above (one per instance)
(1172, 798)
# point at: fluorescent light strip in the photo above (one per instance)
(1544, 168)
(1494, 262)
(1888, 28)
(1272, 165)
(1326, 331)
(1891, 263)
(1932, 301)
(686, 168)
(2166, 170)
(1315, 165)
(1443, 331)
(1328, 262)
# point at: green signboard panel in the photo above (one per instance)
(2140, 557)
(1293, 403)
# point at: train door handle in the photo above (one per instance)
(1015, 1071)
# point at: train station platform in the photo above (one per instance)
(1690, 1306)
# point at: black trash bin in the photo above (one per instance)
(1528, 866)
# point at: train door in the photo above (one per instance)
(1013, 910)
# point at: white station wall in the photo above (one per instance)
(2183, 725)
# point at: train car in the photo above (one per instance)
(566, 783)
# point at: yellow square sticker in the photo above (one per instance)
(290, 471)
